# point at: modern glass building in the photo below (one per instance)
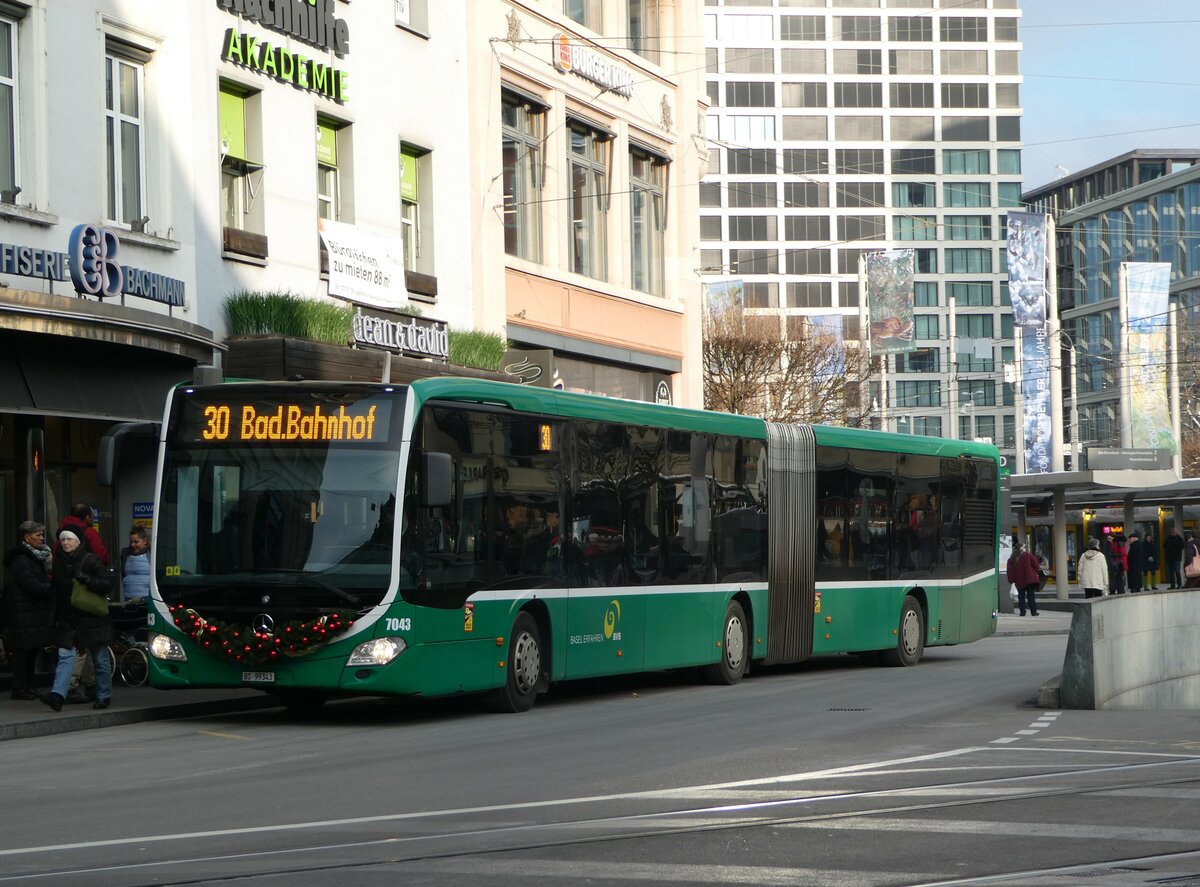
(1143, 206)
(840, 127)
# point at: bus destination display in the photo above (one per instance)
(269, 421)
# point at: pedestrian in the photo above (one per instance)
(1133, 562)
(1190, 552)
(1117, 564)
(1173, 556)
(80, 522)
(28, 604)
(135, 566)
(1022, 571)
(1093, 570)
(1150, 563)
(79, 572)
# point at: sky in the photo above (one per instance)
(1103, 77)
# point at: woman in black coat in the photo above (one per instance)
(29, 604)
(75, 628)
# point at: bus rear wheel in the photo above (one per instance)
(735, 648)
(523, 678)
(910, 643)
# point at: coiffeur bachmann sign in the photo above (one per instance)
(93, 262)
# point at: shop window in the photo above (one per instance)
(648, 218)
(523, 128)
(240, 134)
(124, 131)
(587, 169)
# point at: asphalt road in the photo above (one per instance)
(829, 773)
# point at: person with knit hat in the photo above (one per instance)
(1093, 570)
(74, 627)
(80, 522)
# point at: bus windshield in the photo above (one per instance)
(281, 497)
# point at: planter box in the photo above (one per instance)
(276, 358)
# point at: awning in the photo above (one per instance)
(57, 376)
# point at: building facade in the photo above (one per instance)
(586, 153)
(159, 157)
(841, 127)
(1144, 207)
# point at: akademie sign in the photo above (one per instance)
(583, 62)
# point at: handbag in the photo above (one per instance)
(87, 601)
(1192, 568)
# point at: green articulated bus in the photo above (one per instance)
(465, 536)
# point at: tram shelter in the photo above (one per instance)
(1094, 489)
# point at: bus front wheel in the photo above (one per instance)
(910, 643)
(523, 677)
(735, 648)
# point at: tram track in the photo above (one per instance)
(531, 837)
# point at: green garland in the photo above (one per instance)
(249, 647)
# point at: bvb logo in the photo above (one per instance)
(612, 616)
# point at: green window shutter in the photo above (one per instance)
(232, 114)
(408, 177)
(326, 145)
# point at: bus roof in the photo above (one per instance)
(546, 401)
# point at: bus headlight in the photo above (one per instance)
(163, 647)
(380, 651)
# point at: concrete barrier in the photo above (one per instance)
(1134, 651)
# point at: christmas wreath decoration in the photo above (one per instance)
(246, 646)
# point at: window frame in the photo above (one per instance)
(647, 274)
(588, 211)
(10, 166)
(523, 180)
(115, 121)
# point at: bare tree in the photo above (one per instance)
(810, 375)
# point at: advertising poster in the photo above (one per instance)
(1027, 269)
(830, 329)
(723, 295)
(890, 300)
(1147, 304)
(1038, 423)
(364, 267)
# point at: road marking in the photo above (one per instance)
(1045, 719)
(220, 735)
(868, 767)
(1083, 831)
(492, 808)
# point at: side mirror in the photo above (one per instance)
(438, 489)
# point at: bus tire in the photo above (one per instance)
(910, 641)
(735, 648)
(523, 669)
